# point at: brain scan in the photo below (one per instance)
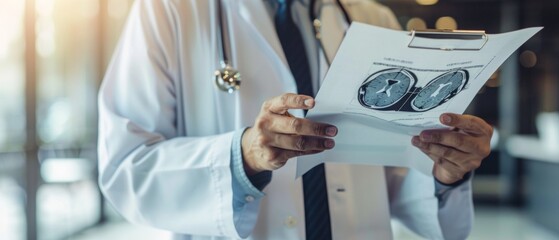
(440, 90)
(385, 88)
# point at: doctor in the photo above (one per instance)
(175, 153)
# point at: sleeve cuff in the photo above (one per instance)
(245, 189)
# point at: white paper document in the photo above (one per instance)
(380, 92)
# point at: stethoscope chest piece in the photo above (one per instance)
(228, 79)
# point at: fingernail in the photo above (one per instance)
(446, 119)
(329, 143)
(309, 102)
(331, 131)
(426, 136)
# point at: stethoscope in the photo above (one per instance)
(227, 77)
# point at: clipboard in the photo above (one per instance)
(448, 40)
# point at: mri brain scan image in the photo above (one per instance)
(385, 88)
(440, 90)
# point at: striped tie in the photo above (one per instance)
(317, 216)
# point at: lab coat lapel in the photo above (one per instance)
(260, 39)
(256, 15)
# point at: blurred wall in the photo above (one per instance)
(53, 54)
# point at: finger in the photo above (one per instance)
(440, 151)
(462, 142)
(301, 126)
(467, 123)
(302, 143)
(281, 104)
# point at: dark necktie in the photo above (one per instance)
(317, 216)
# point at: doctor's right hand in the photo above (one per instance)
(277, 136)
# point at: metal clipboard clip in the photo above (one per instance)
(448, 40)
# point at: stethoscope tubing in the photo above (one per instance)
(224, 41)
(224, 37)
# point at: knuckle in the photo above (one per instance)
(318, 129)
(479, 149)
(471, 119)
(490, 131)
(471, 146)
(481, 124)
(435, 149)
(459, 141)
(436, 137)
(296, 124)
(487, 131)
(471, 125)
(300, 143)
(262, 140)
(428, 147)
(266, 105)
(485, 150)
(447, 152)
(284, 98)
(424, 146)
(261, 123)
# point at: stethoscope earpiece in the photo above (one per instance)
(228, 79)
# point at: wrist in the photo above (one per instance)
(248, 163)
(249, 171)
(456, 183)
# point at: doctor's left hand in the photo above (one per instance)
(277, 136)
(457, 151)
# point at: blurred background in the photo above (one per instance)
(53, 54)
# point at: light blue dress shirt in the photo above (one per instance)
(247, 189)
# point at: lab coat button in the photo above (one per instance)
(290, 222)
(249, 198)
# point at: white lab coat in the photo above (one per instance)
(166, 131)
